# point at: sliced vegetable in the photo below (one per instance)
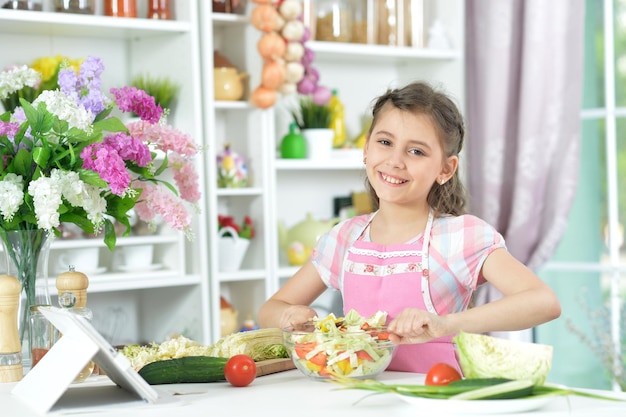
(482, 356)
(442, 374)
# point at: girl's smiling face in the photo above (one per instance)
(405, 158)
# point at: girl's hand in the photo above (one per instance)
(296, 314)
(413, 325)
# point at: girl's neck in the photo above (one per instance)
(394, 224)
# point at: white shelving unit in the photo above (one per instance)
(137, 305)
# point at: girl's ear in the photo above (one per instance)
(449, 167)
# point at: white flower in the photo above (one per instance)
(12, 195)
(17, 78)
(47, 199)
(66, 109)
(80, 194)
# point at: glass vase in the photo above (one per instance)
(27, 254)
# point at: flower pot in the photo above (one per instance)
(231, 250)
(319, 143)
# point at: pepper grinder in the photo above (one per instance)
(72, 288)
(11, 368)
(72, 291)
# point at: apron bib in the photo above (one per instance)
(391, 278)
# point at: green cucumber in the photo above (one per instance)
(187, 369)
(500, 391)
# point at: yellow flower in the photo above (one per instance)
(48, 65)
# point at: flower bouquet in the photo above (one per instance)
(67, 159)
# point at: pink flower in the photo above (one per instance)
(186, 178)
(129, 148)
(158, 200)
(165, 138)
(106, 161)
(132, 99)
(9, 129)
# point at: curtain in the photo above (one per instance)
(524, 88)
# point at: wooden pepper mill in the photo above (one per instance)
(72, 291)
(72, 283)
(10, 346)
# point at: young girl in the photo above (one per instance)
(419, 257)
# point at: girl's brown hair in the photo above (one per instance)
(419, 97)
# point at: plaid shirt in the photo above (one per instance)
(458, 248)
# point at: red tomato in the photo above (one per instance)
(240, 370)
(319, 359)
(442, 374)
(302, 349)
(363, 355)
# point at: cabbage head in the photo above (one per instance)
(482, 356)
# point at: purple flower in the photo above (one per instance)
(9, 129)
(85, 89)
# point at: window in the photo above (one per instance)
(589, 269)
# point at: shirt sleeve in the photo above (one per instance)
(330, 250)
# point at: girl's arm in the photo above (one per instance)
(290, 304)
(527, 302)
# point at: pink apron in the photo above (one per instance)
(391, 278)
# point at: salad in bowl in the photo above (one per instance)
(352, 346)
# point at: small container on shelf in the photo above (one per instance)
(34, 5)
(120, 8)
(159, 9)
(75, 6)
(363, 22)
(41, 335)
(334, 21)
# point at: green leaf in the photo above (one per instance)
(111, 124)
(109, 235)
(23, 163)
(41, 156)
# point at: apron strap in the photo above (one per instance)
(428, 302)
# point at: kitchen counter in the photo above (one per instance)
(285, 394)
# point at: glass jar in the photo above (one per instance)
(333, 21)
(41, 335)
(363, 21)
(36, 5)
(75, 6)
(120, 8)
(159, 9)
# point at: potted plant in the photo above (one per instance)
(163, 89)
(314, 120)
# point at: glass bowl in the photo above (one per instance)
(338, 353)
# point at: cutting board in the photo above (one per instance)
(271, 366)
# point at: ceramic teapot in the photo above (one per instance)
(228, 83)
(299, 241)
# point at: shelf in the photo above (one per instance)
(111, 282)
(228, 19)
(67, 24)
(233, 105)
(310, 165)
(244, 191)
(60, 244)
(340, 51)
(242, 275)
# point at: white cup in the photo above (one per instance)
(82, 259)
(137, 256)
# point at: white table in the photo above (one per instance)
(290, 394)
